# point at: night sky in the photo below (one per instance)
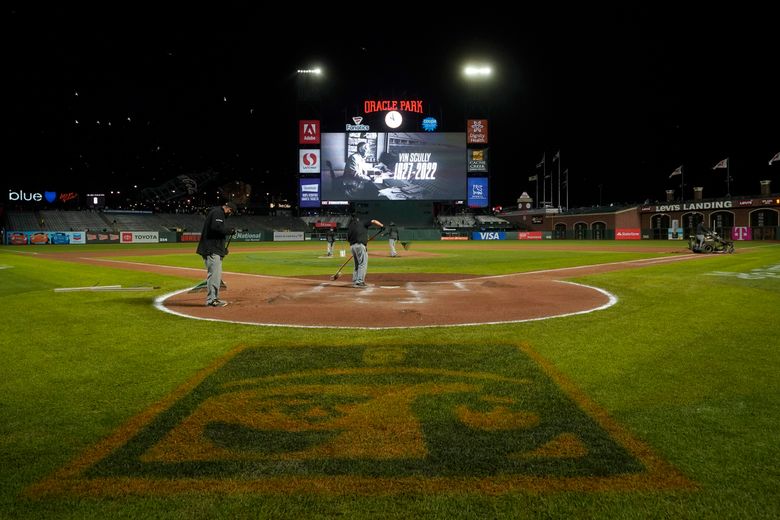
(116, 97)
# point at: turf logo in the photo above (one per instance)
(772, 271)
(371, 420)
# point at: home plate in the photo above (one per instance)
(389, 286)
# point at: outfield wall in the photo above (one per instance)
(406, 234)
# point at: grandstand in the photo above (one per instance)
(26, 220)
(491, 221)
(342, 221)
(457, 221)
(59, 220)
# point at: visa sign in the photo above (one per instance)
(488, 235)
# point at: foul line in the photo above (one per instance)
(232, 273)
(589, 266)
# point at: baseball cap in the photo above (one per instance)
(232, 205)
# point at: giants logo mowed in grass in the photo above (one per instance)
(370, 420)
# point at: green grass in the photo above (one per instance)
(687, 362)
(301, 259)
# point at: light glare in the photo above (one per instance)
(477, 71)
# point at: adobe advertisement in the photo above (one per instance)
(309, 131)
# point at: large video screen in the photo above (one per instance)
(393, 166)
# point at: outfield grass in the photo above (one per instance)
(686, 362)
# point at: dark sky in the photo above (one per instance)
(628, 93)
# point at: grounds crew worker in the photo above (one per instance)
(212, 248)
(357, 235)
(701, 230)
(330, 237)
(393, 237)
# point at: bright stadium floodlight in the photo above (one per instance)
(477, 71)
(316, 71)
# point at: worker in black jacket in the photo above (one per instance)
(212, 248)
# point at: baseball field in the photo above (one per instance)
(470, 380)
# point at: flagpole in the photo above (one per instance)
(728, 177)
(537, 191)
(567, 188)
(544, 179)
(559, 180)
(682, 181)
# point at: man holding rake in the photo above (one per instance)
(357, 235)
(213, 249)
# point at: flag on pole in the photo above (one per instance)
(540, 163)
(533, 178)
(678, 171)
(774, 159)
(722, 164)
(557, 156)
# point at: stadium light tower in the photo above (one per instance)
(478, 78)
(478, 81)
(477, 71)
(309, 83)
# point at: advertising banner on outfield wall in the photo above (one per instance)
(628, 234)
(248, 236)
(102, 238)
(741, 233)
(488, 235)
(189, 237)
(168, 236)
(288, 236)
(675, 233)
(529, 235)
(139, 237)
(23, 238)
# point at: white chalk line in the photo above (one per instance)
(417, 294)
(647, 261)
(159, 303)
